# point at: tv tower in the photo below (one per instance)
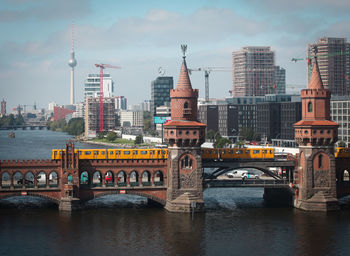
(72, 63)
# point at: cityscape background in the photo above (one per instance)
(141, 37)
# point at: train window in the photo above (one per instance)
(239, 151)
(230, 151)
(270, 151)
(134, 152)
(117, 152)
(264, 151)
(95, 152)
(55, 152)
(111, 152)
(126, 152)
(159, 152)
(87, 153)
(80, 152)
(215, 152)
(143, 152)
(102, 152)
(256, 151)
(151, 152)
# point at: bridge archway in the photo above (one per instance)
(17, 179)
(53, 179)
(121, 178)
(346, 176)
(84, 178)
(133, 192)
(31, 194)
(158, 178)
(41, 179)
(146, 178)
(97, 179)
(5, 180)
(134, 178)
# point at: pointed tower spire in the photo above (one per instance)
(315, 79)
(184, 81)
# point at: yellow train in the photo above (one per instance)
(342, 152)
(240, 153)
(156, 153)
(115, 153)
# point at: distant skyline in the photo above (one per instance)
(141, 36)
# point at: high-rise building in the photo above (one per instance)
(333, 62)
(92, 115)
(160, 92)
(280, 80)
(3, 107)
(120, 103)
(92, 86)
(253, 71)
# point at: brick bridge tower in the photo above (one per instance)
(184, 136)
(316, 134)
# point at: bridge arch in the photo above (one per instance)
(39, 195)
(121, 177)
(158, 178)
(131, 192)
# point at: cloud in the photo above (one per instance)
(44, 10)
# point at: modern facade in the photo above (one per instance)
(131, 118)
(253, 71)
(92, 115)
(209, 115)
(280, 80)
(92, 86)
(333, 59)
(160, 92)
(121, 103)
(3, 107)
(340, 113)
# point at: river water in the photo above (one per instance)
(236, 222)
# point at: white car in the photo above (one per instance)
(243, 174)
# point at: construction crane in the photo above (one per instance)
(207, 71)
(102, 67)
(309, 62)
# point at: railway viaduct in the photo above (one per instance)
(317, 178)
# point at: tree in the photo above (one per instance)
(139, 139)
(75, 126)
(249, 134)
(210, 135)
(111, 136)
(341, 144)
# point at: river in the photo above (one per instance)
(236, 221)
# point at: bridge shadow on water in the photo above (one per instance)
(227, 199)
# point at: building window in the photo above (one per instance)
(320, 161)
(186, 162)
(309, 107)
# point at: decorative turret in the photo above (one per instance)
(184, 129)
(316, 127)
(184, 135)
(316, 133)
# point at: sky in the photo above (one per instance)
(141, 36)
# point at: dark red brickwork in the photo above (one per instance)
(150, 182)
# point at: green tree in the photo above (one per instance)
(139, 139)
(75, 126)
(210, 135)
(221, 142)
(111, 136)
(147, 121)
(341, 144)
(249, 134)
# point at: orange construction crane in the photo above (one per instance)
(102, 67)
(207, 71)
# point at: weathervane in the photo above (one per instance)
(184, 49)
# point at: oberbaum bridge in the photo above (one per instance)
(315, 177)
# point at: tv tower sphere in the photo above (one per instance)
(72, 61)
